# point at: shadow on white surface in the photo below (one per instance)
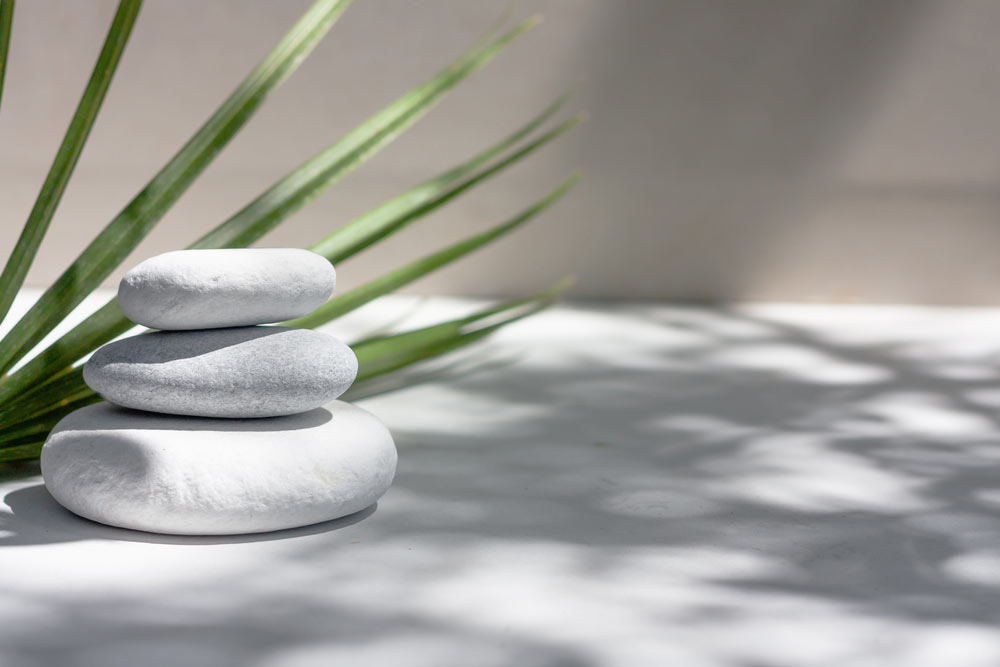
(765, 487)
(36, 518)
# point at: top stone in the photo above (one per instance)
(209, 289)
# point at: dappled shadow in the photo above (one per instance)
(737, 487)
(36, 518)
(842, 473)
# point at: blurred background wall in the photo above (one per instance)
(766, 149)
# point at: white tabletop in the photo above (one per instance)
(621, 485)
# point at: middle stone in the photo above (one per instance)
(264, 371)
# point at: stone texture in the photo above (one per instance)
(238, 372)
(204, 289)
(192, 476)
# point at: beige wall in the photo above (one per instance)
(794, 150)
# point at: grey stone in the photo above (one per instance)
(240, 372)
(197, 476)
(204, 289)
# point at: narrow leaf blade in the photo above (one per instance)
(372, 370)
(68, 154)
(108, 322)
(394, 279)
(385, 353)
(6, 20)
(42, 422)
(65, 386)
(342, 156)
(393, 214)
(22, 449)
(100, 327)
(137, 219)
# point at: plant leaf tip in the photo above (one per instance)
(553, 293)
(574, 120)
(565, 283)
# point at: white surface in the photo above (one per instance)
(639, 486)
(228, 287)
(178, 475)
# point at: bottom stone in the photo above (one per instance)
(204, 476)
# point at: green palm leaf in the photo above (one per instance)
(393, 280)
(295, 190)
(383, 354)
(108, 322)
(68, 154)
(392, 216)
(137, 219)
(6, 18)
(48, 387)
(376, 356)
(22, 449)
(43, 398)
(64, 387)
(43, 422)
(291, 192)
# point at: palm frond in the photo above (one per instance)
(65, 386)
(48, 386)
(392, 216)
(68, 154)
(383, 354)
(342, 156)
(108, 322)
(393, 280)
(43, 422)
(338, 305)
(279, 201)
(6, 20)
(22, 449)
(137, 219)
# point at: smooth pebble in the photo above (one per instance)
(188, 476)
(207, 289)
(239, 372)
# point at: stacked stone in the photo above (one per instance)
(215, 424)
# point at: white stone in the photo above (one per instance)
(206, 289)
(240, 372)
(191, 476)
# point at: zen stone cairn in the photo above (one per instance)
(215, 425)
